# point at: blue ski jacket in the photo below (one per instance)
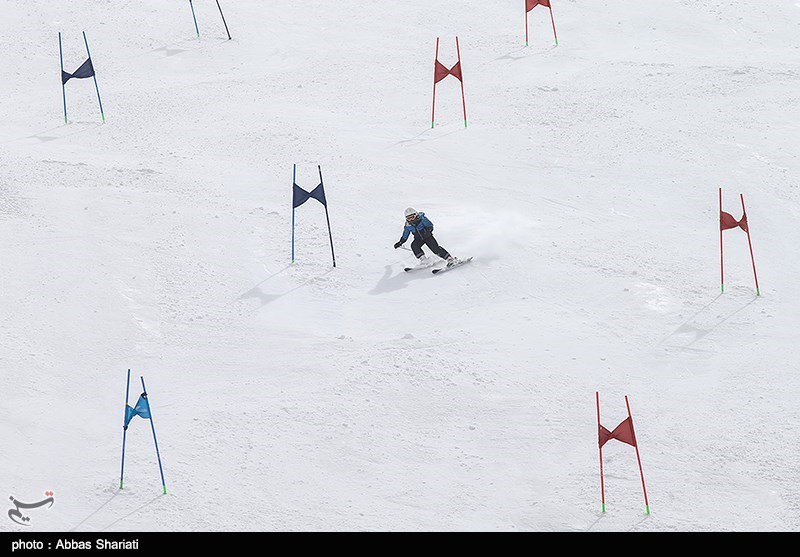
(422, 225)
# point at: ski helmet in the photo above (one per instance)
(411, 212)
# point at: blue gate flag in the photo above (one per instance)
(300, 196)
(142, 409)
(86, 70)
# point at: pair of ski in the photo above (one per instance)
(438, 270)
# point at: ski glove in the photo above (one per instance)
(398, 244)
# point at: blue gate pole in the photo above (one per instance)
(152, 425)
(195, 19)
(124, 428)
(223, 20)
(326, 218)
(294, 182)
(63, 89)
(94, 76)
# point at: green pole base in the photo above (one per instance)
(165, 490)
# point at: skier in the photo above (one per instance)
(422, 228)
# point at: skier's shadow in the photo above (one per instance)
(389, 283)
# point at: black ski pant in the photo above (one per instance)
(426, 238)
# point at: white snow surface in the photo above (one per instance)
(308, 397)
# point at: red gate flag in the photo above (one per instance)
(529, 5)
(440, 71)
(623, 432)
(726, 222)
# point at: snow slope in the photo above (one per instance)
(303, 397)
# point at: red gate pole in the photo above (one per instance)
(435, 59)
(553, 21)
(526, 23)
(749, 243)
(600, 448)
(721, 264)
(463, 98)
(639, 460)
